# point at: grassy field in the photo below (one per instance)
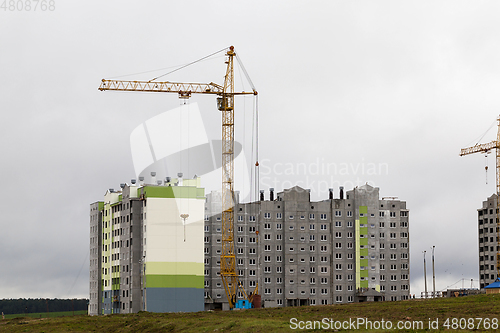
(416, 313)
(46, 315)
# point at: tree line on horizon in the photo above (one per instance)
(35, 305)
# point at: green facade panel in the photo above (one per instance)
(363, 241)
(363, 273)
(363, 262)
(173, 192)
(175, 281)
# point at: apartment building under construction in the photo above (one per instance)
(156, 247)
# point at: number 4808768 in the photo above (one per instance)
(28, 5)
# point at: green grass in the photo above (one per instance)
(46, 315)
(270, 320)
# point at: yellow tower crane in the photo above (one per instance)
(486, 148)
(225, 104)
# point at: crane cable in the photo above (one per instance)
(482, 136)
(245, 71)
(189, 64)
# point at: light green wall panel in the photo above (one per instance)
(175, 268)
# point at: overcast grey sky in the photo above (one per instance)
(401, 84)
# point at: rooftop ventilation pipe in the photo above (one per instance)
(153, 177)
(261, 195)
(133, 181)
(341, 192)
(330, 195)
(271, 194)
(179, 180)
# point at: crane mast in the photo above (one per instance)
(225, 104)
(486, 148)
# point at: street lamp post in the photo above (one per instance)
(425, 277)
(433, 275)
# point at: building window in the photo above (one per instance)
(279, 215)
(267, 215)
(278, 226)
